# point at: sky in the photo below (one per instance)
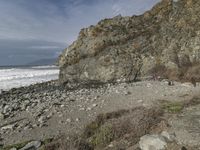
(32, 30)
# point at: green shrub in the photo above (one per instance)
(173, 107)
(103, 136)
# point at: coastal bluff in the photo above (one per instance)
(124, 48)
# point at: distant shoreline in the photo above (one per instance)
(24, 66)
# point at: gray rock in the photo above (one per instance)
(34, 145)
(8, 127)
(94, 105)
(168, 136)
(68, 120)
(42, 119)
(152, 142)
(2, 116)
(6, 109)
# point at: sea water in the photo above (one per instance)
(13, 77)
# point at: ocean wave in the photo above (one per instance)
(13, 74)
(44, 67)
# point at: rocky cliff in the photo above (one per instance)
(166, 37)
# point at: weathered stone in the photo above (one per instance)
(34, 145)
(152, 142)
(2, 116)
(8, 127)
(69, 120)
(7, 108)
(94, 105)
(168, 136)
(42, 119)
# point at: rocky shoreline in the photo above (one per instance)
(147, 115)
(49, 110)
(32, 107)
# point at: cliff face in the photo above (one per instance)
(127, 47)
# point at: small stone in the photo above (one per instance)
(169, 137)
(33, 104)
(2, 116)
(110, 145)
(88, 109)
(49, 116)
(96, 97)
(23, 106)
(28, 108)
(69, 120)
(152, 142)
(32, 145)
(149, 85)
(42, 119)
(140, 101)
(28, 127)
(34, 125)
(117, 92)
(94, 105)
(82, 109)
(8, 127)
(77, 119)
(6, 109)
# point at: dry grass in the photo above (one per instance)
(128, 125)
(123, 127)
(177, 107)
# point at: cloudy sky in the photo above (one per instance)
(32, 30)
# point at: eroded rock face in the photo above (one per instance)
(126, 47)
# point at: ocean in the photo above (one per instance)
(13, 77)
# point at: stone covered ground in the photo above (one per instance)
(49, 111)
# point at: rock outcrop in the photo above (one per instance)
(127, 47)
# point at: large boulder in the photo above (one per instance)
(130, 47)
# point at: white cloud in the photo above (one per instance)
(47, 21)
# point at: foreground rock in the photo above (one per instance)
(162, 40)
(152, 142)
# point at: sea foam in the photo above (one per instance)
(17, 77)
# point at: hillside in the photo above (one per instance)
(163, 41)
(48, 61)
